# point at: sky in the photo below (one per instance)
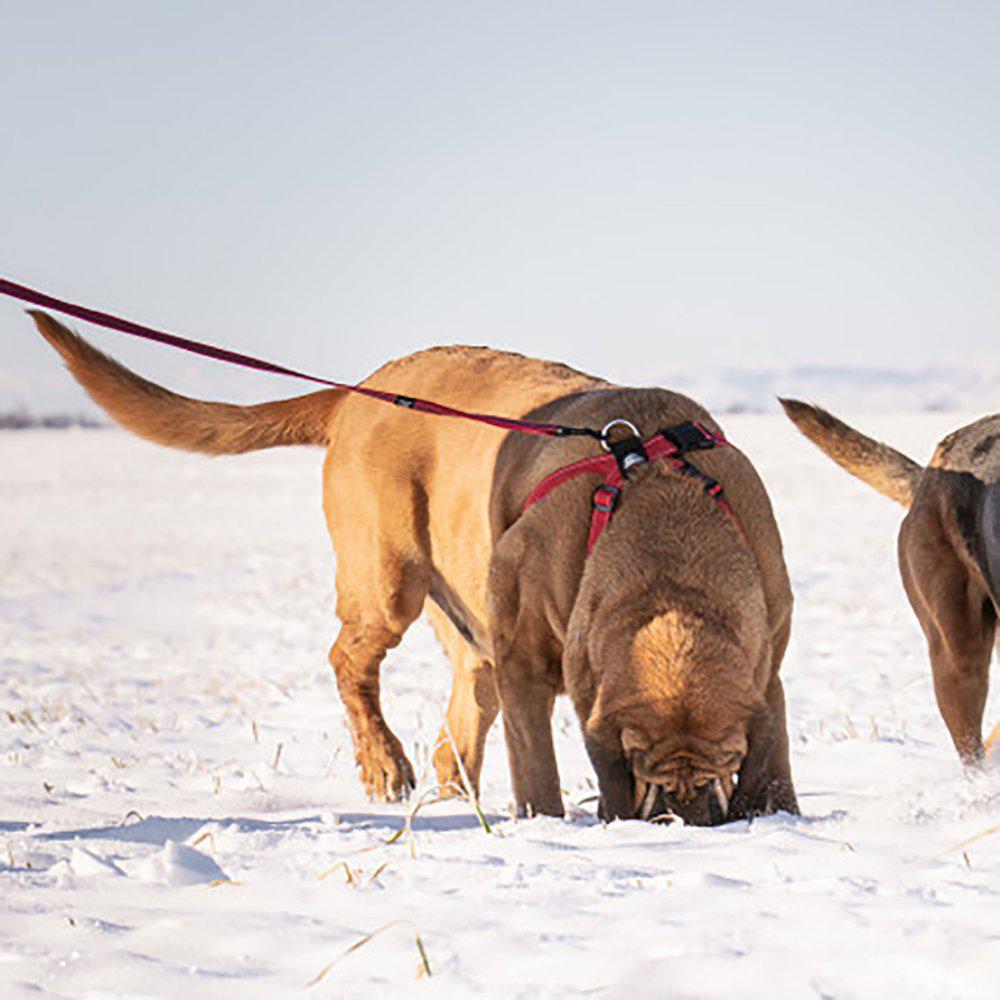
(633, 188)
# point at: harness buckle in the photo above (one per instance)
(629, 450)
(689, 436)
(605, 498)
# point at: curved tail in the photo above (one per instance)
(887, 470)
(177, 421)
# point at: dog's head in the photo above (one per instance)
(678, 707)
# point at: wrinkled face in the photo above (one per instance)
(685, 737)
(668, 730)
(695, 784)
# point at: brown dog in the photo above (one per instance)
(673, 630)
(949, 550)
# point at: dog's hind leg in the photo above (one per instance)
(356, 658)
(959, 621)
(472, 709)
(377, 601)
(383, 579)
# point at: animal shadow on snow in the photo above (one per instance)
(160, 829)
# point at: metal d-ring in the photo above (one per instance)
(616, 423)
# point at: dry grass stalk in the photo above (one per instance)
(431, 795)
(207, 835)
(378, 871)
(988, 832)
(351, 875)
(849, 731)
(424, 969)
(470, 792)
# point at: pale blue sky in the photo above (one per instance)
(631, 187)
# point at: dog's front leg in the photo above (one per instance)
(528, 676)
(613, 778)
(780, 796)
(526, 700)
(765, 779)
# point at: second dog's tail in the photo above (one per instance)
(178, 421)
(878, 465)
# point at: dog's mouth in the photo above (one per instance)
(704, 804)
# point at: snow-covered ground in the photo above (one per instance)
(179, 815)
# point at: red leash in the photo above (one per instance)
(670, 445)
(246, 361)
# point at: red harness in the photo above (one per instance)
(671, 445)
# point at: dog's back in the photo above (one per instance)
(973, 452)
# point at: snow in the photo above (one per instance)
(179, 814)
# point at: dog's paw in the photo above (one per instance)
(780, 797)
(449, 774)
(385, 771)
(992, 747)
(771, 796)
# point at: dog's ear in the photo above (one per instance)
(750, 797)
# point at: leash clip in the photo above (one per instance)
(629, 450)
(606, 429)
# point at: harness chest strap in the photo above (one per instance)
(669, 445)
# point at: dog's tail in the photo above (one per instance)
(167, 418)
(878, 465)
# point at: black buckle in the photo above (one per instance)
(628, 453)
(605, 498)
(690, 436)
(408, 402)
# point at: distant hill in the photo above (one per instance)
(971, 389)
(21, 419)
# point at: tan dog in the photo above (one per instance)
(673, 630)
(949, 550)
